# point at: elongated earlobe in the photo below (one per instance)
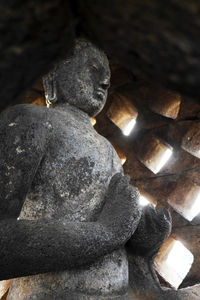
(50, 88)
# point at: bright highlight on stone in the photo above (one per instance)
(143, 201)
(123, 160)
(153, 152)
(122, 113)
(129, 127)
(163, 159)
(174, 263)
(179, 261)
(195, 208)
(93, 121)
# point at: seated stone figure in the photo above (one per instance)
(66, 207)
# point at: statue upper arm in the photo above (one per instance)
(22, 145)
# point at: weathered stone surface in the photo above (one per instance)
(184, 197)
(140, 267)
(65, 183)
(165, 103)
(169, 25)
(121, 111)
(191, 140)
(151, 151)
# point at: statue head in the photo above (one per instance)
(81, 80)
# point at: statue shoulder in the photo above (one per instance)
(23, 144)
(24, 123)
(20, 112)
(22, 116)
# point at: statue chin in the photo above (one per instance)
(97, 106)
(93, 108)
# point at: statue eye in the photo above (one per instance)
(94, 67)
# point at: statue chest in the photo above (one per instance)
(73, 176)
(70, 185)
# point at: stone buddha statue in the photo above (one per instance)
(66, 208)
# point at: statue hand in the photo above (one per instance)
(121, 212)
(153, 229)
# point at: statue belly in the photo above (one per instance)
(71, 187)
(108, 276)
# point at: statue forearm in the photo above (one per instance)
(30, 247)
(37, 246)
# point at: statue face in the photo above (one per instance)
(83, 80)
